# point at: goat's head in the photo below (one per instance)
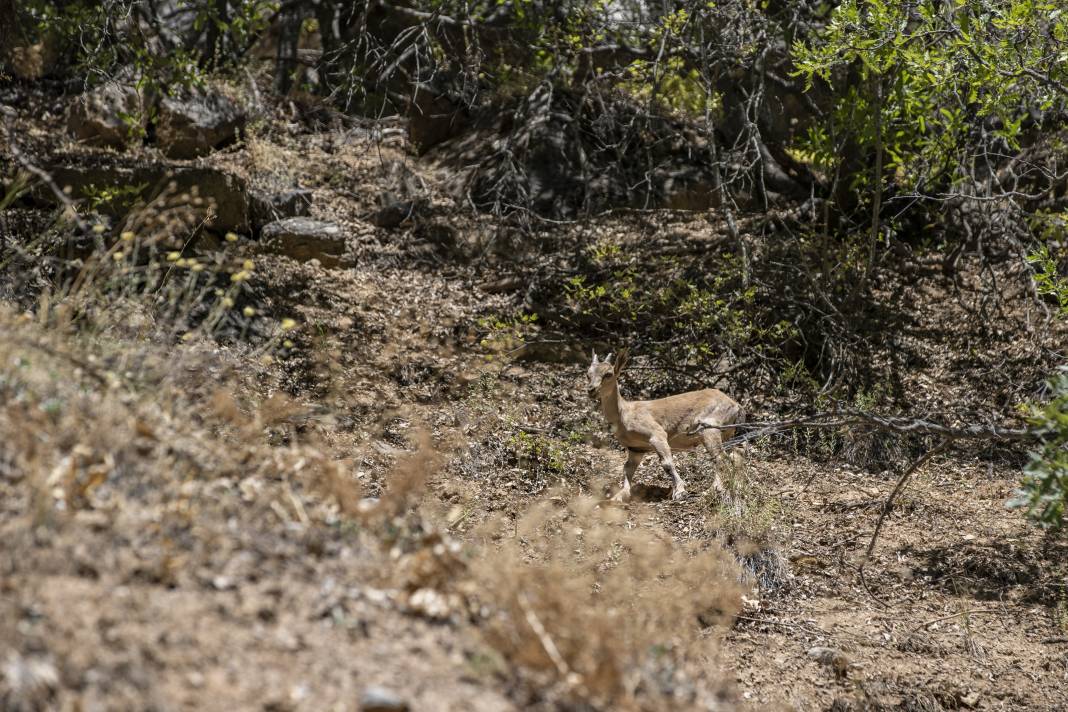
(602, 374)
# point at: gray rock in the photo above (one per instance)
(433, 119)
(305, 239)
(832, 658)
(266, 207)
(101, 117)
(379, 699)
(29, 683)
(398, 212)
(197, 124)
(228, 193)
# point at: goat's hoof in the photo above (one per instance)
(622, 496)
(678, 493)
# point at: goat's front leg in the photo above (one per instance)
(678, 487)
(634, 458)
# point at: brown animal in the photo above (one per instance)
(678, 422)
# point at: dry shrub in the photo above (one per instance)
(407, 479)
(155, 274)
(93, 424)
(607, 613)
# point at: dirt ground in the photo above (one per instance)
(212, 569)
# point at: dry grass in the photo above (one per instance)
(604, 611)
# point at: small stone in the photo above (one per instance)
(832, 658)
(380, 699)
(398, 212)
(30, 683)
(367, 505)
(305, 239)
(222, 583)
(430, 603)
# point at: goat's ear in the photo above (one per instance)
(607, 359)
(594, 353)
(621, 361)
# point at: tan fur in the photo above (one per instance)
(677, 422)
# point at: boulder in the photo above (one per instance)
(305, 239)
(107, 116)
(266, 207)
(433, 119)
(130, 182)
(228, 193)
(196, 124)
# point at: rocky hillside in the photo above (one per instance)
(287, 425)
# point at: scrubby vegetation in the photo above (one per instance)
(296, 298)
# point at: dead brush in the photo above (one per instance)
(746, 515)
(83, 420)
(609, 615)
(157, 274)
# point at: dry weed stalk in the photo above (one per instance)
(579, 596)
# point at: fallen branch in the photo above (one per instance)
(897, 424)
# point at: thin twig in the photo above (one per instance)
(85, 366)
(45, 177)
(929, 623)
(543, 636)
(889, 505)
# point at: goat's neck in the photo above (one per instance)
(612, 403)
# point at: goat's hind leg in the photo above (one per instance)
(713, 441)
(634, 458)
(678, 487)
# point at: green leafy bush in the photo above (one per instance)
(1044, 491)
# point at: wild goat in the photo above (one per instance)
(677, 422)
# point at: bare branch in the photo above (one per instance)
(897, 424)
